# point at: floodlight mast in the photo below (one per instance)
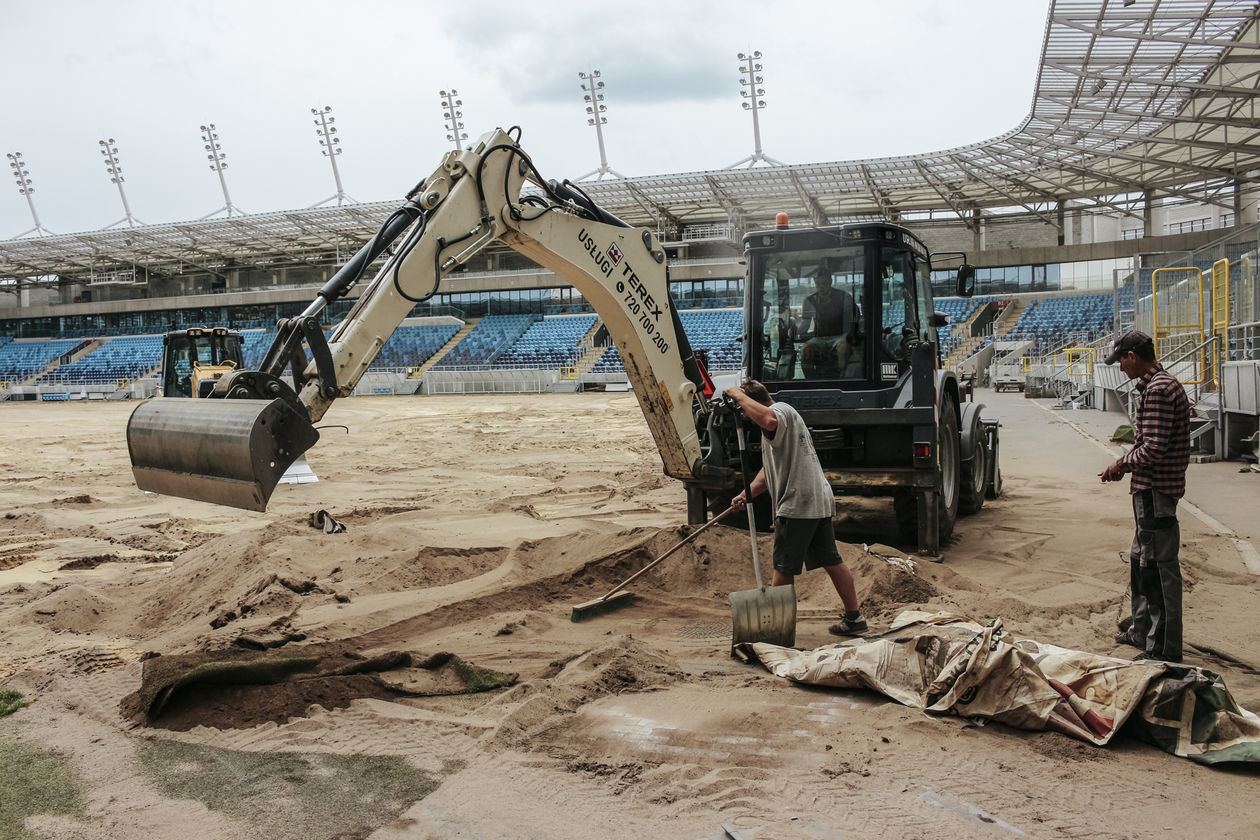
(451, 104)
(218, 162)
(331, 144)
(595, 109)
(109, 150)
(750, 77)
(23, 177)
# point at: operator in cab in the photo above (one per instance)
(828, 319)
(800, 498)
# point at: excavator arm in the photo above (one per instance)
(233, 448)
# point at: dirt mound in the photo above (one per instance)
(80, 499)
(888, 580)
(74, 608)
(13, 560)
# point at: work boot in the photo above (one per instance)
(1147, 656)
(850, 624)
(1125, 639)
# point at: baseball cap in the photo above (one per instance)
(1132, 340)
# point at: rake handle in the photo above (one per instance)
(715, 520)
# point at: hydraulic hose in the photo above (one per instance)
(341, 282)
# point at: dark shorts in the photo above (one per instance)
(804, 542)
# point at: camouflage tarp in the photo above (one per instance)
(949, 664)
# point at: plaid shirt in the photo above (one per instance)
(1161, 444)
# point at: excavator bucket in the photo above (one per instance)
(224, 451)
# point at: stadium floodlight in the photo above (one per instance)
(751, 78)
(595, 108)
(218, 162)
(331, 144)
(451, 103)
(23, 176)
(109, 151)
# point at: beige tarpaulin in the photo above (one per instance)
(950, 664)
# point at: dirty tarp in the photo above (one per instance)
(197, 678)
(949, 664)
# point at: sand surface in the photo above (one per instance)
(473, 524)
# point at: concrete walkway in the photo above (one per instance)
(1224, 495)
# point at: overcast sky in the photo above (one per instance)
(843, 80)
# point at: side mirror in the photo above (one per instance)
(939, 319)
(966, 280)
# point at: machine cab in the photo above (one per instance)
(836, 307)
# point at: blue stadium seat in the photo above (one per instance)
(20, 360)
(548, 344)
(493, 335)
(124, 358)
(411, 346)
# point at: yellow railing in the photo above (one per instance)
(1073, 357)
(1220, 296)
(1181, 306)
(568, 372)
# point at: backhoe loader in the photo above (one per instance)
(885, 418)
(195, 357)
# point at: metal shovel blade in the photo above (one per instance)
(764, 615)
(227, 452)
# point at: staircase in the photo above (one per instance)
(963, 351)
(419, 372)
(584, 364)
(1006, 322)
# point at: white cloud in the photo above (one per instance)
(843, 79)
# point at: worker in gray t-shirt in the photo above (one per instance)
(800, 497)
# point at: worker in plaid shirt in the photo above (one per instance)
(1157, 465)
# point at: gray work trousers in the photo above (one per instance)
(1155, 575)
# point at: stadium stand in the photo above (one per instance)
(22, 359)
(254, 345)
(548, 344)
(959, 311)
(716, 331)
(1055, 321)
(411, 346)
(493, 335)
(124, 358)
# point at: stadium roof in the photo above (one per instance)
(1132, 96)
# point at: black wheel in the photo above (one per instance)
(993, 479)
(951, 474)
(906, 502)
(975, 475)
